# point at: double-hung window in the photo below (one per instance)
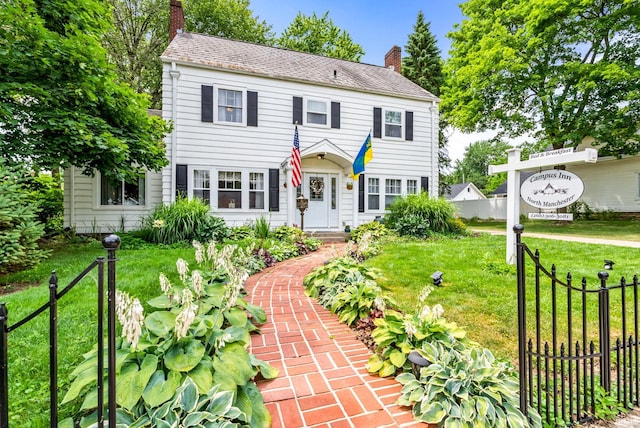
(373, 192)
(412, 187)
(230, 106)
(393, 123)
(229, 189)
(392, 189)
(124, 192)
(256, 190)
(317, 112)
(202, 185)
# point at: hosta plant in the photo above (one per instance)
(466, 388)
(198, 333)
(335, 272)
(397, 334)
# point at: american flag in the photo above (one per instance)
(296, 165)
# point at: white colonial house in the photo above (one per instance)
(234, 107)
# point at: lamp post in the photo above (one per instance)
(302, 204)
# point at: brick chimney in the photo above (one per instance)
(393, 59)
(176, 18)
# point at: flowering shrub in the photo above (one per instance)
(194, 341)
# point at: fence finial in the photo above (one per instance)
(111, 242)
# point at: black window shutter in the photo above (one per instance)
(424, 184)
(181, 181)
(252, 108)
(361, 193)
(274, 189)
(408, 123)
(377, 122)
(297, 110)
(335, 114)
(207, 103)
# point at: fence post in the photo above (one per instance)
(605, 346)
(4, 369)
(522, 320)
(53, 349)
(111, 243)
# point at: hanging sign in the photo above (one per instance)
(552, 189)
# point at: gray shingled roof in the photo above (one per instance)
(278, 63)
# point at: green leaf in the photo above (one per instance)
(387, 369)
(266, 370)
(236, 317)
(160, 302)
(160, 323)
(398, 358)
(375, 363)
(221, 402)
(160, 390)
(187, 396)
(433, 413)
(131, 382)
(234, 361)
(184, 355)
(404, 378)
(83, 379)
(260, 417)
(202, 375)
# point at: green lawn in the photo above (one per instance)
(479, 289)
(479, 293)
(626, 230)
(137, 272)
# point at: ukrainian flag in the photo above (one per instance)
(364, 156)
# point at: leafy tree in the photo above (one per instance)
(474, 165)
(60, 104)
(423, 66)
(226, 18)
(140, 35)
(135, 43)
(319, 35)
(560, 69)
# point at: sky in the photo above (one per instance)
(376, 26)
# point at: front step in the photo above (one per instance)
(329, 236)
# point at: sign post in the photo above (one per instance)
(538, 160)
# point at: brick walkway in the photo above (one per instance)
(323, 381)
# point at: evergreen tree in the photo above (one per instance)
(423, 66)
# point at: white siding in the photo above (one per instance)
(224, 147)
(82, 194)
(611, 184)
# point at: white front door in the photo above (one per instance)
(322, 192)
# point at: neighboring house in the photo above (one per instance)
(234, 106)
(501, 190)
(463, 192)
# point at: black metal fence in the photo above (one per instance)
(111, 244)
(567, 363)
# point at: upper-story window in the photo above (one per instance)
(393, 123)
(230, 104)
(124, 192)
(317, 112)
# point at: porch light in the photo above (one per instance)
(608, 264)
(437, 277)
(320, 156)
